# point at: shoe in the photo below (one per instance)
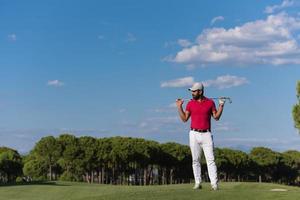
(215, 187)
(197, 186)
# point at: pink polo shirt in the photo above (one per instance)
(201, 112)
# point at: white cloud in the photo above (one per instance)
(159, 123)
(169, 44)
(215, 19)
(12, 37)
(221, 82)
(143, 124)
(130, 38)
(224, 127)
(122, 110)
(55, 83)
(168, 109)
(172, 105)
(181, 82)
(190, 66)
(180, 42)
(284, 4)
(226, 81)
(164, 120)
(171, 108)
(101, 37)
(248, 143)
(269, 41)
(184, 43)
(152, 125)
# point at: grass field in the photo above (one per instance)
(83, 191)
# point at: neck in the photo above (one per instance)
(200, 98)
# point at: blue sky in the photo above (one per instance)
(108, 68)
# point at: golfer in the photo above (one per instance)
(200, 109)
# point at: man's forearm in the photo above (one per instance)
(182, 114)
(219, 113)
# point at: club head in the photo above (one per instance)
(229, 100)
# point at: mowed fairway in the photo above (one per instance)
(83, 191)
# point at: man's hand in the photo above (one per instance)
(222, 101)
(184, 115)
(179, 103)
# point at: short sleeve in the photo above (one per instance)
(188, 107)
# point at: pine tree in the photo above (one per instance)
(296, 109)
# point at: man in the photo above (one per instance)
(200, 109)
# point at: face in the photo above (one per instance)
(197, 94)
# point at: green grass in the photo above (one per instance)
(83, 191)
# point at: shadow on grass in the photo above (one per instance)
(52, 183)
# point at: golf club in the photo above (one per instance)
(227, 98)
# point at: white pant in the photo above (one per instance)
(199, 141)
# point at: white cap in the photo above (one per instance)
(196, 86)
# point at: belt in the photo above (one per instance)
(200, 130)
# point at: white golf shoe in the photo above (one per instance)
(197, 186)
(215, 187)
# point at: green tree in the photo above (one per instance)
(10, 165)
(125, 160)
(88, 147)
(103, 149)
(176, 158)
(232, 164)
(71, 158)
(290, 172)
(118, 157)
(296, 109)
(146, 157)
(266, 161)
(48, 151)
(34, 168)
(222, 163)
(140, 159)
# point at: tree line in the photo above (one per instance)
(136, 161)
(296, 108)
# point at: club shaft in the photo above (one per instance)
(227, 98)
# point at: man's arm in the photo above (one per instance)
(184, 115)
(217, 113)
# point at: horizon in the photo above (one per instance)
(115, 68)
(246, 149)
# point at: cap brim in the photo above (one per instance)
(192, 90)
